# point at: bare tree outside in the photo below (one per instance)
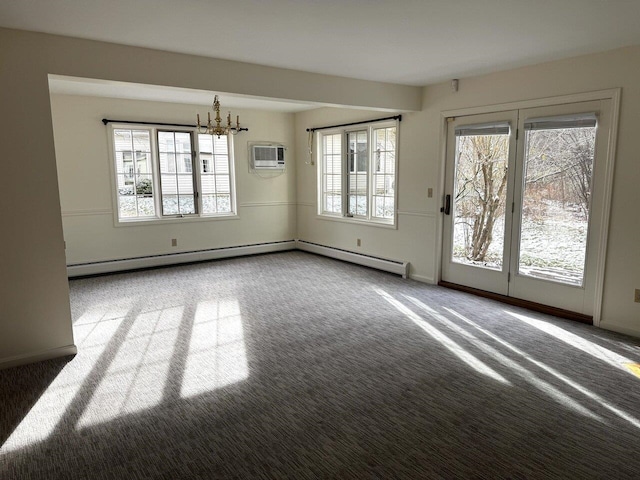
(556, 201)
(480, 193)
(558, 169)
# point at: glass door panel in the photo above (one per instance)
(558, 204)
(558, 170)
(479, 180)
(480, 192)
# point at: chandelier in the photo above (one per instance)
(218, 129)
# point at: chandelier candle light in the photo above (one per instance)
(218, 129)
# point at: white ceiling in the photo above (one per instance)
(414, 42)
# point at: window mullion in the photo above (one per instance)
(155, 168)
(346, 174)
(369, 172)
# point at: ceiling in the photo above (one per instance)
(412, 42)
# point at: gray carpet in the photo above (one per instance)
(296, 366)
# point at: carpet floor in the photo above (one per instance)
(297, 366)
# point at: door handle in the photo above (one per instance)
(447, 205)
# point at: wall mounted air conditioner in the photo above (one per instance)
(267, 157)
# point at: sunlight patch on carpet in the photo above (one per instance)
(449, 344)
(217, 355)
(634, 368)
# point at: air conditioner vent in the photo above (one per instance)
(268, 157)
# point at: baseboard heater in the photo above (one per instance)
(393, 266)
(108, 266)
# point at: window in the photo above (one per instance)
(156, 176)
(357, 173)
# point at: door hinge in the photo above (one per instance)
(513, 207)
(517, 133)
(508, 277)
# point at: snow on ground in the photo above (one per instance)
(552, 247)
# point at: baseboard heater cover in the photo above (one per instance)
(392, 266)
(109, 266)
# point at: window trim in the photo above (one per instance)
(158, 218)
(345, 170)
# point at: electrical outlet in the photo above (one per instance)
(637, 296)
(174, 242)
(358, 242)
(430, 192)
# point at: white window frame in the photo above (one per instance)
(158, 218)
(372, 169)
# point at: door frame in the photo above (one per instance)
(609, 161)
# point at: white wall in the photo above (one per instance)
(414, 239)
(266, 203)
(35, 318)
(34, 302)
(420, 162)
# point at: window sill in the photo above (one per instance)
(360, 221)
(174, 220)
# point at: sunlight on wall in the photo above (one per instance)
(217, 354)
(92, 336)
(522, 372)
(588, 393)
(453, 347)
(135, 379)
(597, 351)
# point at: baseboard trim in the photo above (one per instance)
(624, 330)
(110, 266)
(34, 357)
(537, 307)
(422, 278)
(392, 266)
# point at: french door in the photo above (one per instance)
(524, 201)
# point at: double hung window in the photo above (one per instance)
(164, 174)
(357, 172)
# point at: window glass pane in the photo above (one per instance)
(122, 140)
(221, 145)
(183, 163)
(357, 181)
(206, 163)
(176, 173)
(332, 173)
(208, 204)
(185, 184)
(222, 184)
(134, 173)
(186, 205)
(170, 205)
(183, 142)
(141, 141)
(222, 164)
(208, 184)
(144, 185)
(127, 207)
(215, 178)
(167, 162)
(146, 207)
(166, 142)
(384, 161)
(479, 199)
(556, 201)
(223, 203)
(169, 183)
(127, 164)
(143, 162)
(205, 143)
